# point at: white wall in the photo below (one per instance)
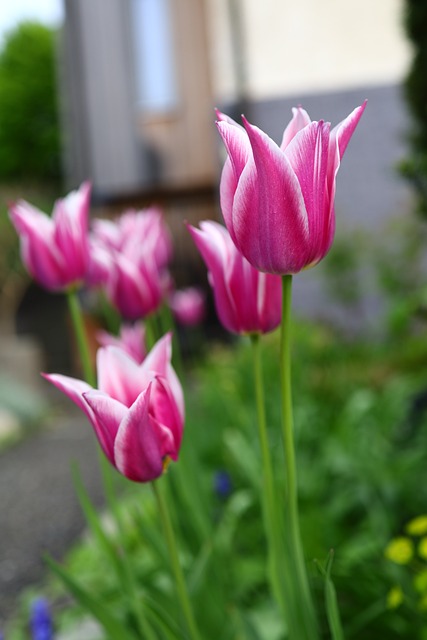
(310, 45)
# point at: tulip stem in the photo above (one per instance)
(306, 608)
(169, 324)
(81, 336)
(150, 332)
(174, 558)
(270, 510)
(89, 374)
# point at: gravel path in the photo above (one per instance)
(38, 506)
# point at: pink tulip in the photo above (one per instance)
(278, 202)
(55, 250)
(100, 263)
(129, 258)
(247, 301)
(188, 306)
(131, 339)
(139, 234)
(135, 289)
(137, 412)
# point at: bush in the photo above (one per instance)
(29, 118)
(415, 166)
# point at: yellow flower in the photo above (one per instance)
(395, 598)
(417, 526)
(400, 550)
(422, 548)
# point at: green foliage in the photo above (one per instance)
(29, 119)
(341, 270)
(361, 455)
(415, 167)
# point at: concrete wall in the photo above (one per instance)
(109, 139)
(100, 122)
(308, 46)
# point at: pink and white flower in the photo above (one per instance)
(278, 202)
(131, 339)
(246, 300)
(188, 306)
(55, 250)
(137, 411)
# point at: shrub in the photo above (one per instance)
(29, 118)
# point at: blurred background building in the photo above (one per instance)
(138, 95)
(140, 77)
(138, 81)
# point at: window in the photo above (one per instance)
(154, 56)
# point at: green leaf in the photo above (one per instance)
(332, 610)
(236, 507)
(120, 563)
(246, 629)
(160, 617)
(115, 629)
(95, 525)
(199, 567)
(244, 456)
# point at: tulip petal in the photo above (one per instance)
(158, 362)
(242, 286)
(107, 416)
(165, 410)
(269, 215)
(72, 388)
(137, 450)
(300, 119)
(159, 356)
(70, 218)
(211, 243)
(131, 340)
(308, 156)
(28, 219)
(239, 150)
(278, 202)
(269, 301)
(223, 117)
(119, 375)
(38, 250)
(339, 139)
(237, 286)
(344, 130)
(134, 289)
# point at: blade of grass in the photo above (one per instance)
(118, 561)
(332, 610)
(163, 620)
(113, 627)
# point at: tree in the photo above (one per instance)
(29, 113)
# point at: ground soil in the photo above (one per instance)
(39, 512)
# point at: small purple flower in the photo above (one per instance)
(223, 485)
(41, 623)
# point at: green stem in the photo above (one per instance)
(270, 509)
(303, 595)
(174, 558)
(81, 337)
(90, 377)
(136, 602)
(262, 422)
(168, 324)
(150, 331)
